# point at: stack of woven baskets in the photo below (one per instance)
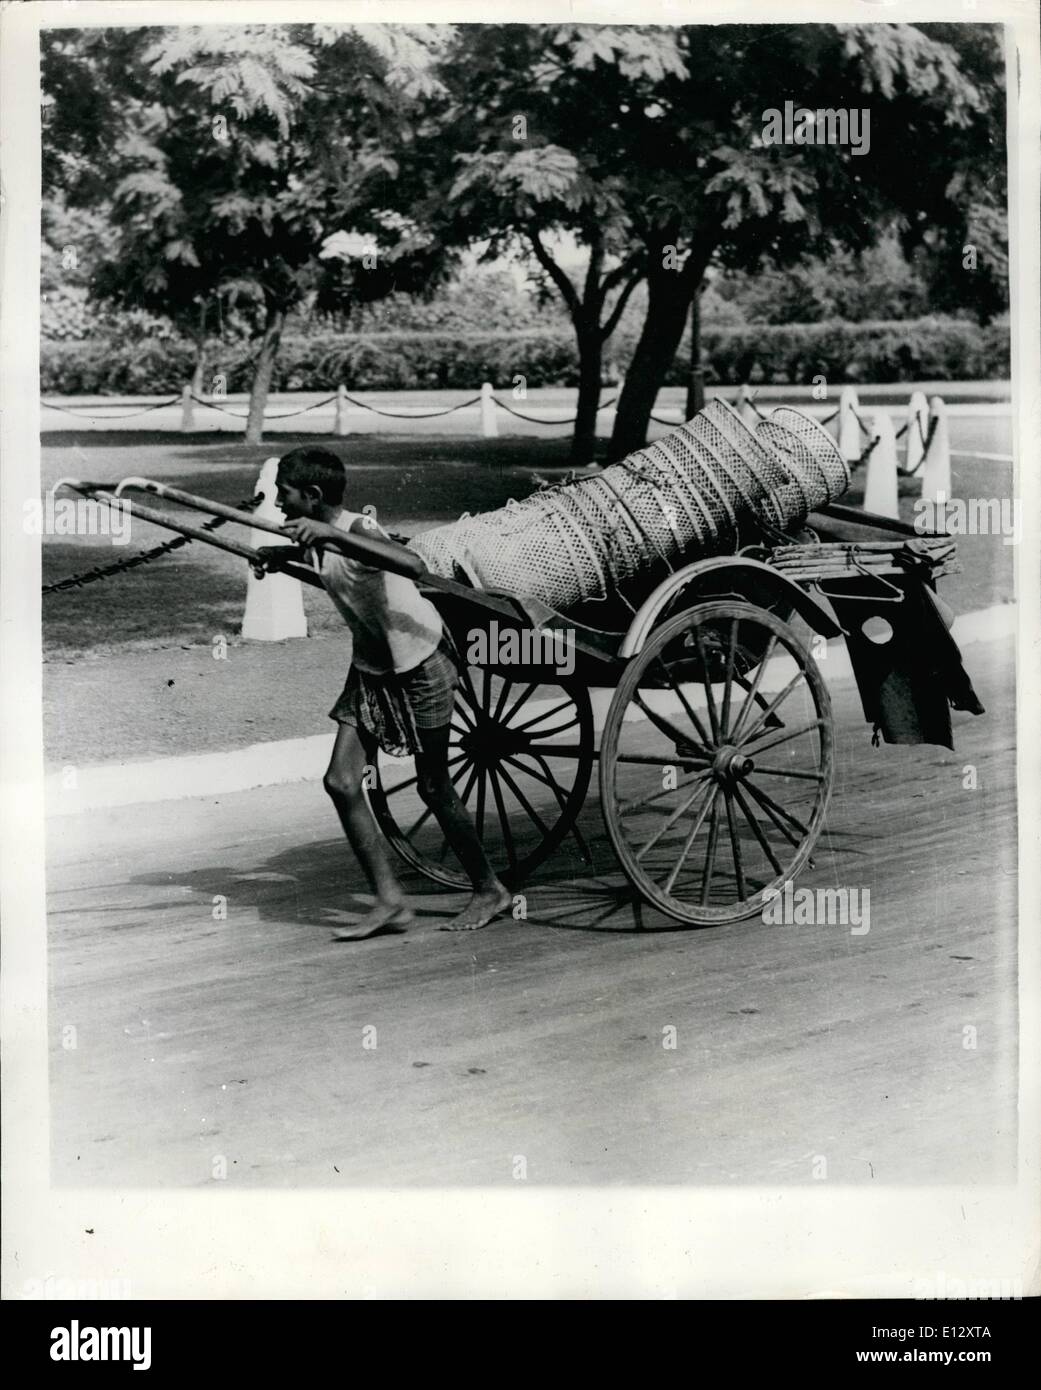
(696, 491)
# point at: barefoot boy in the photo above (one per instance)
(399, 694)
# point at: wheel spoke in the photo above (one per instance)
(625, 807)
(546, 778)
(699, 822)
(399, 786)
(757, 830)
(702, 735)
(580, 839)
(710, 853)
(411, 781)
(427, 813)
(785, 830)
(521, 700)
(728, 686)
(768, 801)
(443, 852)
(772, 706)
(772, 721)
(482, 788)
(749, 700)
(504, 820)
(468, 684)
(788, 772)
(785, 736)
(735, 846)
(665, 760)
(673, 818)
(532, 813)
(464, 794)
(507, 686)
(461, 709)
(662, 724)
(538, 718)
(557, 729)
(710, 699)
(557, 750)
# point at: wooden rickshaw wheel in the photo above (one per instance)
(520, 755)
(716, 792)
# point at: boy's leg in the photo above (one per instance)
(343, 782)
(435, 786)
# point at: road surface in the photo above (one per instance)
(240, 1049)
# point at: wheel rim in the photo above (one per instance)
(520, 756)
(715, 787)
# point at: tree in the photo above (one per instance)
(728, 198)
(526, 166)
(647, 146)
(242, 151)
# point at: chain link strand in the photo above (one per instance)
(143, 557)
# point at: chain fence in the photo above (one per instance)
(926, 435)
(127, 415)
(212, 404)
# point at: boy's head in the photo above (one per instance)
(310, 481)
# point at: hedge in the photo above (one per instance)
(927, 349)
(910, 350)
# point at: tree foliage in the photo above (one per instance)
(234, 157)
(645, 145)
(264, 167)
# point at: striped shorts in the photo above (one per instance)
(391, 708)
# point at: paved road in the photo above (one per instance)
(534, 1051)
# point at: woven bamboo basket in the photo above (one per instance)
(692, 493)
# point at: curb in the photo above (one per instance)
(278, 763)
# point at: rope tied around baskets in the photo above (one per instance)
(693, 492)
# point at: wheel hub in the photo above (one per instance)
(488, 743)
(731, 764)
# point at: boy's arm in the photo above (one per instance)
(367, 542)
(369, 525)
(363, 542)
(288, 559)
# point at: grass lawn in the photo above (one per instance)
(190, 595)
(413, 482)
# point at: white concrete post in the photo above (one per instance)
(274, 604)
(187, 411)
(746, 409)
(489, 422)
(936, 470)
(917, 428)
(881, 490)
(850, 446)
(341, 410)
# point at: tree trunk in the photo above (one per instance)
(590, 356)
(668, 299)
(696, 375)
(200, 352)
(262, 375)
(200, 367)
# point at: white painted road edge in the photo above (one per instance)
(305, 759)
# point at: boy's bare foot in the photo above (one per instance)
(481, 909)
(384, 918)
